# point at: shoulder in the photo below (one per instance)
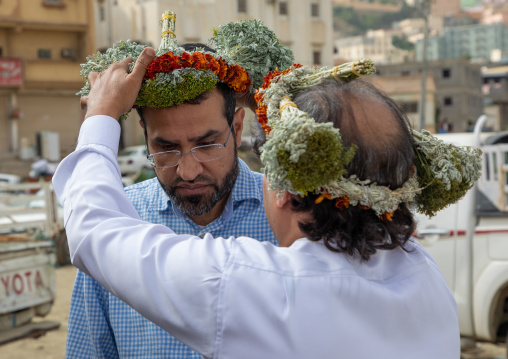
(142, 189)
(248, 183)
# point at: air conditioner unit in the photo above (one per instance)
(69, 53)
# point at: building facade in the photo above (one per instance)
(303, 25)
(443, 8)
(42, 43)
(377, 45)
(458, 83)
(476, 42)
(495, 92)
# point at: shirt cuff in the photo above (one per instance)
(100, 130)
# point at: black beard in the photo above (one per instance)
(198, 205)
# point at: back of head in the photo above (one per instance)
(374, 123)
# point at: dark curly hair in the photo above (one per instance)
(385, 155)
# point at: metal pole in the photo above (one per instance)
(14, 123)
(423, 98)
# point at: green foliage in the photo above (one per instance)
(324, 160)
(401, 42)
(436, 194)
(101, 61)
(166, 94)
(252, 45)
(349, 22)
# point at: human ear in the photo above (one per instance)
(238, 125)
(283, 200)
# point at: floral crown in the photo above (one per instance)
(245, 52)
(301, 156)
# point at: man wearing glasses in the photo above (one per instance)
(201, 187)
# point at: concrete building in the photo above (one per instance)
(443, 8)
(495, 92)
(375, 44)
(366, 6)
(42, 44)
(459, 100)
(476, 42)
(303, 25)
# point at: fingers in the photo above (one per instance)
(142, 63)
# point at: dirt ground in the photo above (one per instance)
(52, 344)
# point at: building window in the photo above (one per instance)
(242, 6)
(447, 73)
(316, 57)
(54, 3)
(487, 166)
(44, 53)
(314, 9)
(283, 8)
(494, 165)
(102, 15)
(448, 101)
(410, 107)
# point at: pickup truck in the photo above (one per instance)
(469, 240)
(31, 230)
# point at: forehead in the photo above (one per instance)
(190, 119)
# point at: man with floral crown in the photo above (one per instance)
(192, 129)
(343, 170)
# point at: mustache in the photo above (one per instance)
(199, 179)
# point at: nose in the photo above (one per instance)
(189, 167)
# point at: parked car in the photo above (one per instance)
(132, 159)
(469, 241)
(6, 179)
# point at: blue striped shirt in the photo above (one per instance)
(102, 326)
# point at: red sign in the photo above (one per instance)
(21, 282)
(11, 73)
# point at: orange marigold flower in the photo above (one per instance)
(388, 216)
(322, 196)
(342, 202)
(263, 119)
(187, 59)
(223, 69)
(200, 61)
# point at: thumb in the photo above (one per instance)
(139, 70)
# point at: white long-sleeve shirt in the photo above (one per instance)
(240, 298)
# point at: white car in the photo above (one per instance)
(132, 159)
(7, 179)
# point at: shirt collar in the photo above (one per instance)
(245, 188)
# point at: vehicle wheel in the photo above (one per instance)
(63, 256)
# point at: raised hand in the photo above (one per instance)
(114, 91)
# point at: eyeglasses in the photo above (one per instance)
(204, 153)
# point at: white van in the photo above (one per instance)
(469, 241)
